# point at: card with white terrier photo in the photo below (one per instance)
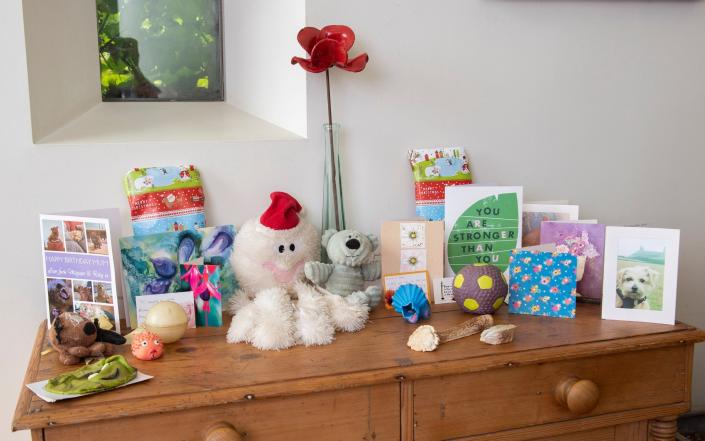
(641, 273)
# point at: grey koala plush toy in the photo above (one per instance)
(351, 254)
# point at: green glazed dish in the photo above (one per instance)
(104, 374)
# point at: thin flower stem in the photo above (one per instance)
(333, 170)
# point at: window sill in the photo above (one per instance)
(265, 97)
(108, 123)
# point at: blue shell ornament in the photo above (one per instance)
(411, 302)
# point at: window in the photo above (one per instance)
(160, 50)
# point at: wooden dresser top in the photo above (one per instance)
(203, 370)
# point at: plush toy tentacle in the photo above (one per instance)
(349, 313)
(242, 324)
(313, 323)
(239, 300)
(274, 327)
(318, 272)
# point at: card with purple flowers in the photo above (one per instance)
(542, 283)
(586, 241)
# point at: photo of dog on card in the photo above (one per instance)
(97, 238)
(52, 236)
(82, 291)
(59, 295)
(640, 274)
(102, 292)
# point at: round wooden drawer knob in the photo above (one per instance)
(222, 432)
(577, 395)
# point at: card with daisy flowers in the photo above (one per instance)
(542, 283)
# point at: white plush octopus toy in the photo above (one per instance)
(275, 307)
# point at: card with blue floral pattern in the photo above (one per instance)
(542, 283)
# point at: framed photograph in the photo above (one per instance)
(641, 273)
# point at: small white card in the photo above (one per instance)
(185, 299)
(392, 282)
(38, 389)
(443, 290)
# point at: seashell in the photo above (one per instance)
(424, 339)
(410, 301)
(498, 334)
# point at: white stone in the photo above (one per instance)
(498, 334)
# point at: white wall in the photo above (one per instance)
(599, 102)
(257, 39)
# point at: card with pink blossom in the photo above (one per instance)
(586, 241)
(204, 281)
(542, 283)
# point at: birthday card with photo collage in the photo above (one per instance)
(79, 268)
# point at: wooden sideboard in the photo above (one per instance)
(585, 379)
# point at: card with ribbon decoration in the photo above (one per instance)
(542, 283)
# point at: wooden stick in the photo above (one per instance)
(470, 327)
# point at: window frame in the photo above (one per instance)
(221, 67)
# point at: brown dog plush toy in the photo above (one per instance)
(75, 338)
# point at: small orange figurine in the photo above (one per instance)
(147, 346)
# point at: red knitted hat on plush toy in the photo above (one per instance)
(283, 212)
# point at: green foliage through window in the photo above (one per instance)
(160, 50)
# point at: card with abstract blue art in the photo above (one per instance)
(151, 263)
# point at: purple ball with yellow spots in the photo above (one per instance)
(479, 289)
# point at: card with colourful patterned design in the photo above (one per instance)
(542, 283)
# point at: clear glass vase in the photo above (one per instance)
(333, 207)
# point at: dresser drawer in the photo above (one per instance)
(354, 414)
(514, 397)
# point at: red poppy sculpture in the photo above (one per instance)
(328, 47)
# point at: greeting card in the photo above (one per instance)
(483, 225)
(204, 282)
(151, 262)
(165, 199)
(79, 270)
(542, 283)
(537, 213)
(587, 242)
(185, 299)
(392, 282)
(411, 247)
(435, 169)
